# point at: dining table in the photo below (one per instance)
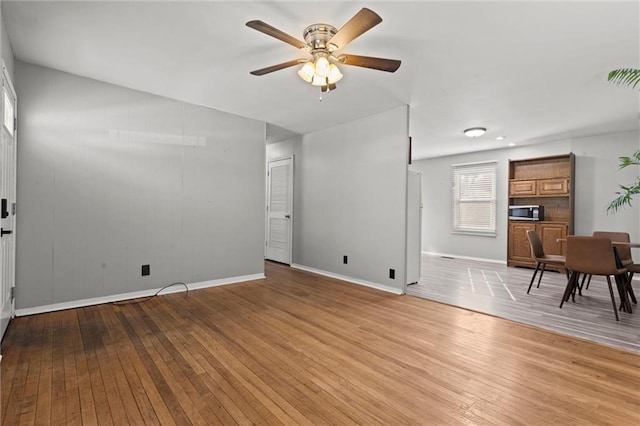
(623, 284)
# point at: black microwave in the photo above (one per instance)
(526, 213)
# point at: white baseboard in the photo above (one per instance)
(225, 281)
(455, 256)
(134, 295)
(349, 279)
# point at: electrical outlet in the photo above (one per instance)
(146, 270)
(392, 274)
(344, 260)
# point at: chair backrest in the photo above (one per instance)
(536, 245)
(623, 252)
(590, 255)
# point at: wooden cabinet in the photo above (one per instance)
(520, 188)
(519, 248)
(549, 234)
(548, 182)
(546, 187)
(539, 188)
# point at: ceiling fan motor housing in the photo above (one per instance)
(317, 36)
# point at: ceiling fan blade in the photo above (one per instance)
(361, 22)
(263, 27)
(272, 68)
(381, 64)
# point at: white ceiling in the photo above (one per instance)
(532, 71)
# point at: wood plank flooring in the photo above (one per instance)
(298, 348)
(499, 290)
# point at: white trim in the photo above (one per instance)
(7, 78)
(456, 256)
(225, 281)
(290, 201)
(349, 279)
(476, 233)
(134, 295)
(475, 163)
(5, 70)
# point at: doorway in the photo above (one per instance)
(279, 225)
(7, 199)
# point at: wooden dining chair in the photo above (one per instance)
(634, 268)
(542, 259)
(594, 256)
(624, 253)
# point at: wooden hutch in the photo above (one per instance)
(548, 182)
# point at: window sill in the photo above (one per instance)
(475, 233)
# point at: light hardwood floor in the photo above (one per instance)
(298, 348)
(499, 290)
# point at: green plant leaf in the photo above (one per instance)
(624, 197)
(630, 161)
(625, 77)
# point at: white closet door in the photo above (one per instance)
(279, 210)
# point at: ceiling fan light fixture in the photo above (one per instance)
(322, 67)
(319, 81)
(474, 132)
(334, 74)
(307, 71)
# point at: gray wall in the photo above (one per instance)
(350, 197)
(597, 177)
(110, 179)
(6, 52)
(597, 180)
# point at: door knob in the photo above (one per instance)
(5, 232)
(287, 216)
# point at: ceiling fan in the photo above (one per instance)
(321, 43)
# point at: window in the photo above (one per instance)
(474, 198)
(8, 113)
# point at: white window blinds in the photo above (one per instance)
(474, 198)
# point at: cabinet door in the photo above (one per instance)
(553, 186)
(549, 234)
(522, 187)
(519, 248)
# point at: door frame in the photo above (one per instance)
(7, 78)
(413, 237)
(267, 198)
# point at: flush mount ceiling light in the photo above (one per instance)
(321, 42)
(474, 132)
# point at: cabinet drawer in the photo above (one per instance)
(522, 187)
(553, 186)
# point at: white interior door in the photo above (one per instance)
(279, 210)
(7, 199)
